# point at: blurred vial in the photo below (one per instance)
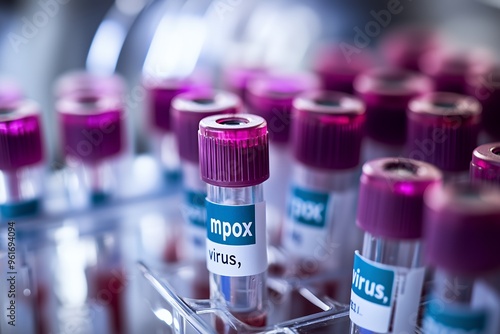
(485, 87)
(160, 93)
(93, 144)
(449, 69)
(271, 96)
(386, 93)
(443, 130)
(22, 164)
(337, 70)
(318, 233)
(404, 47)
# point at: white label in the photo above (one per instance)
(377, 289)
(236, 239)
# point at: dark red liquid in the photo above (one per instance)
(170, 254)
(40, 301)
(107, 288)
(254, 319)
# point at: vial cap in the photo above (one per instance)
(443, 130)
(337, 69)
(234, 150)
(236, 79)
(188, 109)
(91, 126)
(76, 83)
(386, 93)
(20, 135)
(462, 225)
(327, 130)
(485, 164)
(271, 96)
(161, 92)
(391, 197)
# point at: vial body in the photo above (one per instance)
(245, 296)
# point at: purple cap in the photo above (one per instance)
(271, 97)
(391, 197)
(234, 150)
(188, 109)
(10, 92)
(327, 130)
(404, 47)
(236, 79)
(485, 86)
(443, 130)
(20, 136)
(485, 164)
(161, 92)
(449, 70)
(337, 70)
(91, 127)
(461, 229)
(80, 82)
(386, 93)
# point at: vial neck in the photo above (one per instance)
(236, 195)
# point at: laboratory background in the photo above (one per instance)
(249, 166)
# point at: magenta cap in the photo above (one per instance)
(462, 225)
(391, 197)
(449, 70)
(404, 47)
(91, 127)
(337, 69)
(236, 79)
(443, 130)
(188, 109)
(161, 92)
(20, 136)
(485, 86)
(386, 93)
(78, 83)
(271, 96)
(234, 150)
(10, 93)
(485, 164)
(327, 130)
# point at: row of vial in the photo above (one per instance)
(317, 230)
(316, 148)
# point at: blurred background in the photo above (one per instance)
(40, 40)
(73, 251)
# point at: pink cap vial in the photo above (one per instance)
(78, 83)
(236, 79)
(485, 86)
(338, 68)
(234, 150)
(270, 96)
(485, 164)
(449, 70)
(20, 135)
(188, 109)
(443, 130)
(403, 48)
(386, 93)
(327, 130)
(391, 197)
(161, 92)
(462, 227)
(91, 127)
